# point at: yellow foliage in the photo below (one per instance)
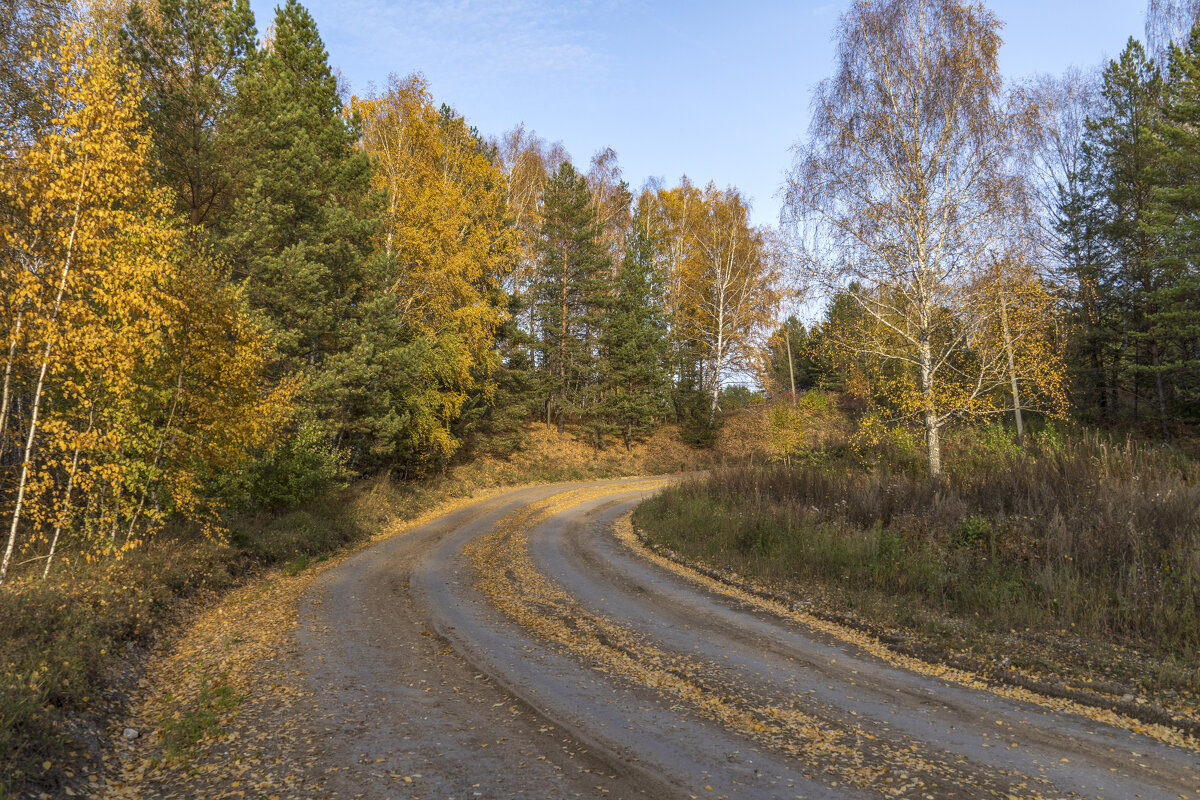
(139, 368)
(446, 230)
(723, 276)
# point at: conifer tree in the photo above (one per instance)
(635, 345)
(189, 54)
(1131, 92)
(573, 284)
(1173, 305)
(299, 235)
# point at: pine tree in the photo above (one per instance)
(791, 341)
(189, 55)
(299, 235)
(1131, 93)
(635, 346)
(1173, 304)
(1096, 347)
(573, 286)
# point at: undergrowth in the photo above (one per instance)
(64, 638)
(1078, 536)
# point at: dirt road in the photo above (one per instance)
(519, 647)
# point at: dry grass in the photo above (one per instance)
(66, 639)
(1080, 553)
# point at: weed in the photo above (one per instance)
(184, 727)
(296, 567)
(1078, 532)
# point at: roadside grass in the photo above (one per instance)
(185, 725)
(69, 641)
(1078, 555)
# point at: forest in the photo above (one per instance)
(229, 284)
(232, 286)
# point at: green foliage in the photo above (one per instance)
(634, 345)
(807, 367)
(302, 466)
(299, 234)
(572, 295)
(738, 397)
(190, 55)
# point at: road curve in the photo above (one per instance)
(517, 647)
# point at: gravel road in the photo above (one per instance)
(519, 647)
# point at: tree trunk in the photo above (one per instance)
(8, 365)
(791, 371)
(1012, 371)
(51, 335)
(1155, 359)
(932, 440)
(58, 525)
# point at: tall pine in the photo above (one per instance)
(1131, 91)
(635, 346)
(1173, 303)
(573, 286)
(300, 233)
(190, 54)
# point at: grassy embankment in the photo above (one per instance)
(1076, 559)
(70, 643)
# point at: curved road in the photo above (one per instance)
(519, 647)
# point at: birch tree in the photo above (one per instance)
(905, 192)
(723, 279)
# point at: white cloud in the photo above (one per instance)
(472, 38)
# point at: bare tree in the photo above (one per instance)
(1058, 165)
(1169, 22)
(611, 200)
(906, 193)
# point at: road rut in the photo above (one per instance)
(518, 648)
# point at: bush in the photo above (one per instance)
(302, 467)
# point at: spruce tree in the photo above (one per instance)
(635, 346)
(1131, 92)
(1096, 348)
(573, 285)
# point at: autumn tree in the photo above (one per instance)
(906, 187)
(133, 369)
(611, 201)
(26, 27)
(723, 281)
(448, 246)
(527, 161)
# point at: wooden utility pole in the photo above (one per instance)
(791, 371)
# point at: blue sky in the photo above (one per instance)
(717, 90)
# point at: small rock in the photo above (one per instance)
(1125, 698)
(130, 733)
